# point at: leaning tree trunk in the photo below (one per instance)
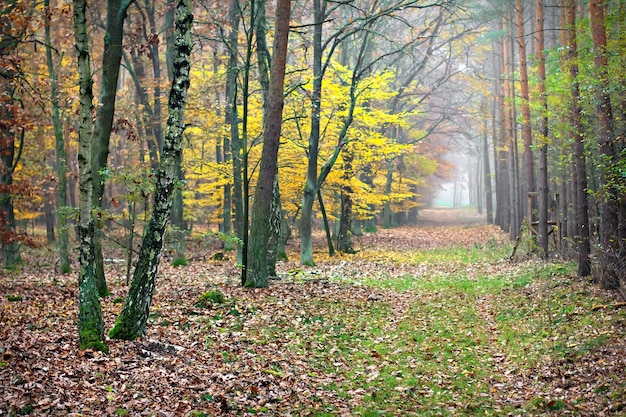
(257, 270)
(131, 322)
(111, 60)
(90, 323)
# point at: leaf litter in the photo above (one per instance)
(400, 328)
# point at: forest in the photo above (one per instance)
(326, 207)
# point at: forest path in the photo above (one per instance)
(422, 321)
(442, 216)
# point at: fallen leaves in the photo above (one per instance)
(404, 327)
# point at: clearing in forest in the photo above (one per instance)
(426, 321)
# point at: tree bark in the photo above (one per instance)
(111, 60)
(90, 323)
(527, 138)
(582, 205)
(61, 167)
(310, 186)
(487, 170)
(609, 196)
(131, 322)
(344, 238)
(543, 131)
(231, 142)
(8, 158)
(257, 271)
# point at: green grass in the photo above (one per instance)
(428, 345)
(440, 354)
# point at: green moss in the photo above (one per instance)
(89, 339)
(118, 300)
(121, 412)
(209, 298)
(12, 297)
(66, 269)
(179, 262)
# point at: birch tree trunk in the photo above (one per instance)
(90, 323)
(131, 322)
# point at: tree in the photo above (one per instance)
(543, 131)
(609, 197)
(257, 274)
(64, 263)
(581, 236)
(527, 138)
(111, 61)
(11, 130)
(131, 323)
(90, 323)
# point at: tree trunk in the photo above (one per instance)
(231, 143)
(257, 271)
(543, 131)
(582, 205)
(486, 169)
(90, 323)
(344, 238)
(131, 322)
(61, 157)
(310, 187)
(8, 160)
(523, 70)
(179, 226)
(609, 196)
(111, 60)
(276, 217)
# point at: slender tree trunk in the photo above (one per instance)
(276, 217)
(344, 237)
(61, 157)
(257, 274)
(609, 196)
(131, 323)
(507, 144)
(135, 67)
(231, 141)
(8, 159)
(529, 170)
(581, 236)
(487, 171)
(310, 187)
(543, 131)
(111, 60)
(329, 238)
(90, 323)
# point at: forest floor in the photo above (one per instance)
(427, 321)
